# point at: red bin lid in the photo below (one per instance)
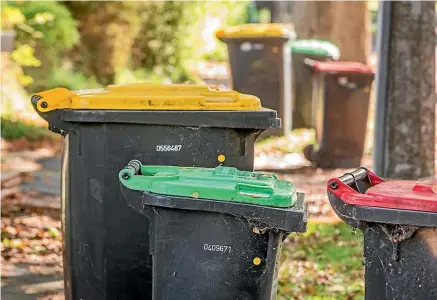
(404, 194)
(340, 67)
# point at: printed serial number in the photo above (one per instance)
(218, 248)
(165, 148)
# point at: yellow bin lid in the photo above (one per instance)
(255, 30)
(146, 96)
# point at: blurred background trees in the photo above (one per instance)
(332, 21)
(87, 44)
(92, 43)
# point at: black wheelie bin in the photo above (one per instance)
(302, 87)
(399, 222)
(341, 100)
(260, 62)
(106, 250)
(216, 233)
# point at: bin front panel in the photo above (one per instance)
(205, 255)
(345, 105)
(405, 270)
(107, 246)
(302, 89)
(257, 67)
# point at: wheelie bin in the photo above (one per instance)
(302, 87)
(260, 59)
(399, 222)
(341, 101)
(106, 251)
(216, 234)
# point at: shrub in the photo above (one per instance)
(52, 25)
(107, 32)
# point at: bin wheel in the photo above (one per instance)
(308, 153)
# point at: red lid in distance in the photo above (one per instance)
(340, 67)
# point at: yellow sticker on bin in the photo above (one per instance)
(255, 30)
(147, 97)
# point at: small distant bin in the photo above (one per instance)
(106, 243)
(216, 234)
(341, 99)
(260, 59)
(399, 221)
(302, 77)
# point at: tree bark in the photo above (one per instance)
(344, 23)
(409, 150)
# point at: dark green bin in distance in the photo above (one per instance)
(302, 85)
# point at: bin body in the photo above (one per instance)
(106, 243)
(400, 232)
(260, 59)
(215, 249)
(341, 99)
(302, 88)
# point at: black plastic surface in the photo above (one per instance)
(205, 249)
(340, 119)
(355, 215)
(400, 271)
(257, 68)
(106, 243)
(400, 246)
(262, 119)
(302, 89)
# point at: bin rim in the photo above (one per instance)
(315, 47)
(256, 30)
(245, 120)
(348, 67)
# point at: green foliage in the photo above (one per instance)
(11, 16)
(44, 30)
(161, 41)
(69, 79)
(107, 31)
(12, 130)
(55, 27)
(229, 13)
(326, 262)
(23, 55)
(172, 35)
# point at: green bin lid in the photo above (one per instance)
(315, 47)
(220, 183)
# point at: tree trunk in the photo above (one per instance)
(409, 150)
(344, 23)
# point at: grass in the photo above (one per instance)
(15, 129)
(326, 262)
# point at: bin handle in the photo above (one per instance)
(134, 166)
(254, 191)
(351, 178)
(352, 186)
(138, 177)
